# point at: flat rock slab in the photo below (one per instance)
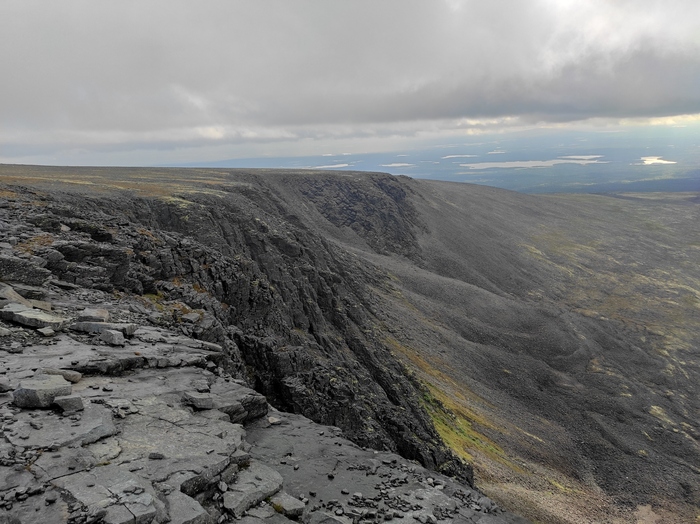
(94, 423)
(93, 315)
(242, 404)
(127, 498)
(315, 461)
(186, 510)
(40, 391)
(254, 484)
(54, 464)
(26, 316)
(8, 292)
(287, 505)
(126, 329)
(198, 400)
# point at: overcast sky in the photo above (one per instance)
(143, 82)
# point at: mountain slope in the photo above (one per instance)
(551, 341)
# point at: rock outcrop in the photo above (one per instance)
(135, 408)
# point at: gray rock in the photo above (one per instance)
(14, 269)
(5, 386)
(40, 391)
(319, 517)
(70, 403)
(93, 315)
(214, 414)
(41, 304)
(7, 292)
(46, 331)
(66, 461)
(4, 332)
(198, 400)
(287, 505)
(191, 317)
(95, 423)
(254, 485)
(126, 497)
(30, 292)
(21, 314)
(98, 327)
(68, 374)
(113, 337)
(185, 510)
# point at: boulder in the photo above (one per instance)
(113, 337)
(70, 403)
(93, 315)
(14, 269)
(68, 374)
(287, 505)
(41, 391)
(198, 400)
(186, 510)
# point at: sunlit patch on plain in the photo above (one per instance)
(593, 159)
(651, 160)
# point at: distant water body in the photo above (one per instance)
(556, 162)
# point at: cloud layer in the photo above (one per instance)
(82, 75)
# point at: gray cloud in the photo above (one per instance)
(86, 75)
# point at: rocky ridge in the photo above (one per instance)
(124, 395)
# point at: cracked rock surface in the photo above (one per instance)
(156, 431)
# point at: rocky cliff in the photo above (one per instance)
(433, 321)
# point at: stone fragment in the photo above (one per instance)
(5, 386)
(40, 391)
(93, 315)
(41, 304)
(68, 374)
(35, 318)
(287, 505)
(185, 510)
(46, 332)
(98, 327)
(113, 337)
(70, 403)
(198, 400)
(30, 292)
(191, 317)
(7, 292)
(4, 332)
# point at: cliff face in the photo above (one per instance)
(293, 310)
(413, 313)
